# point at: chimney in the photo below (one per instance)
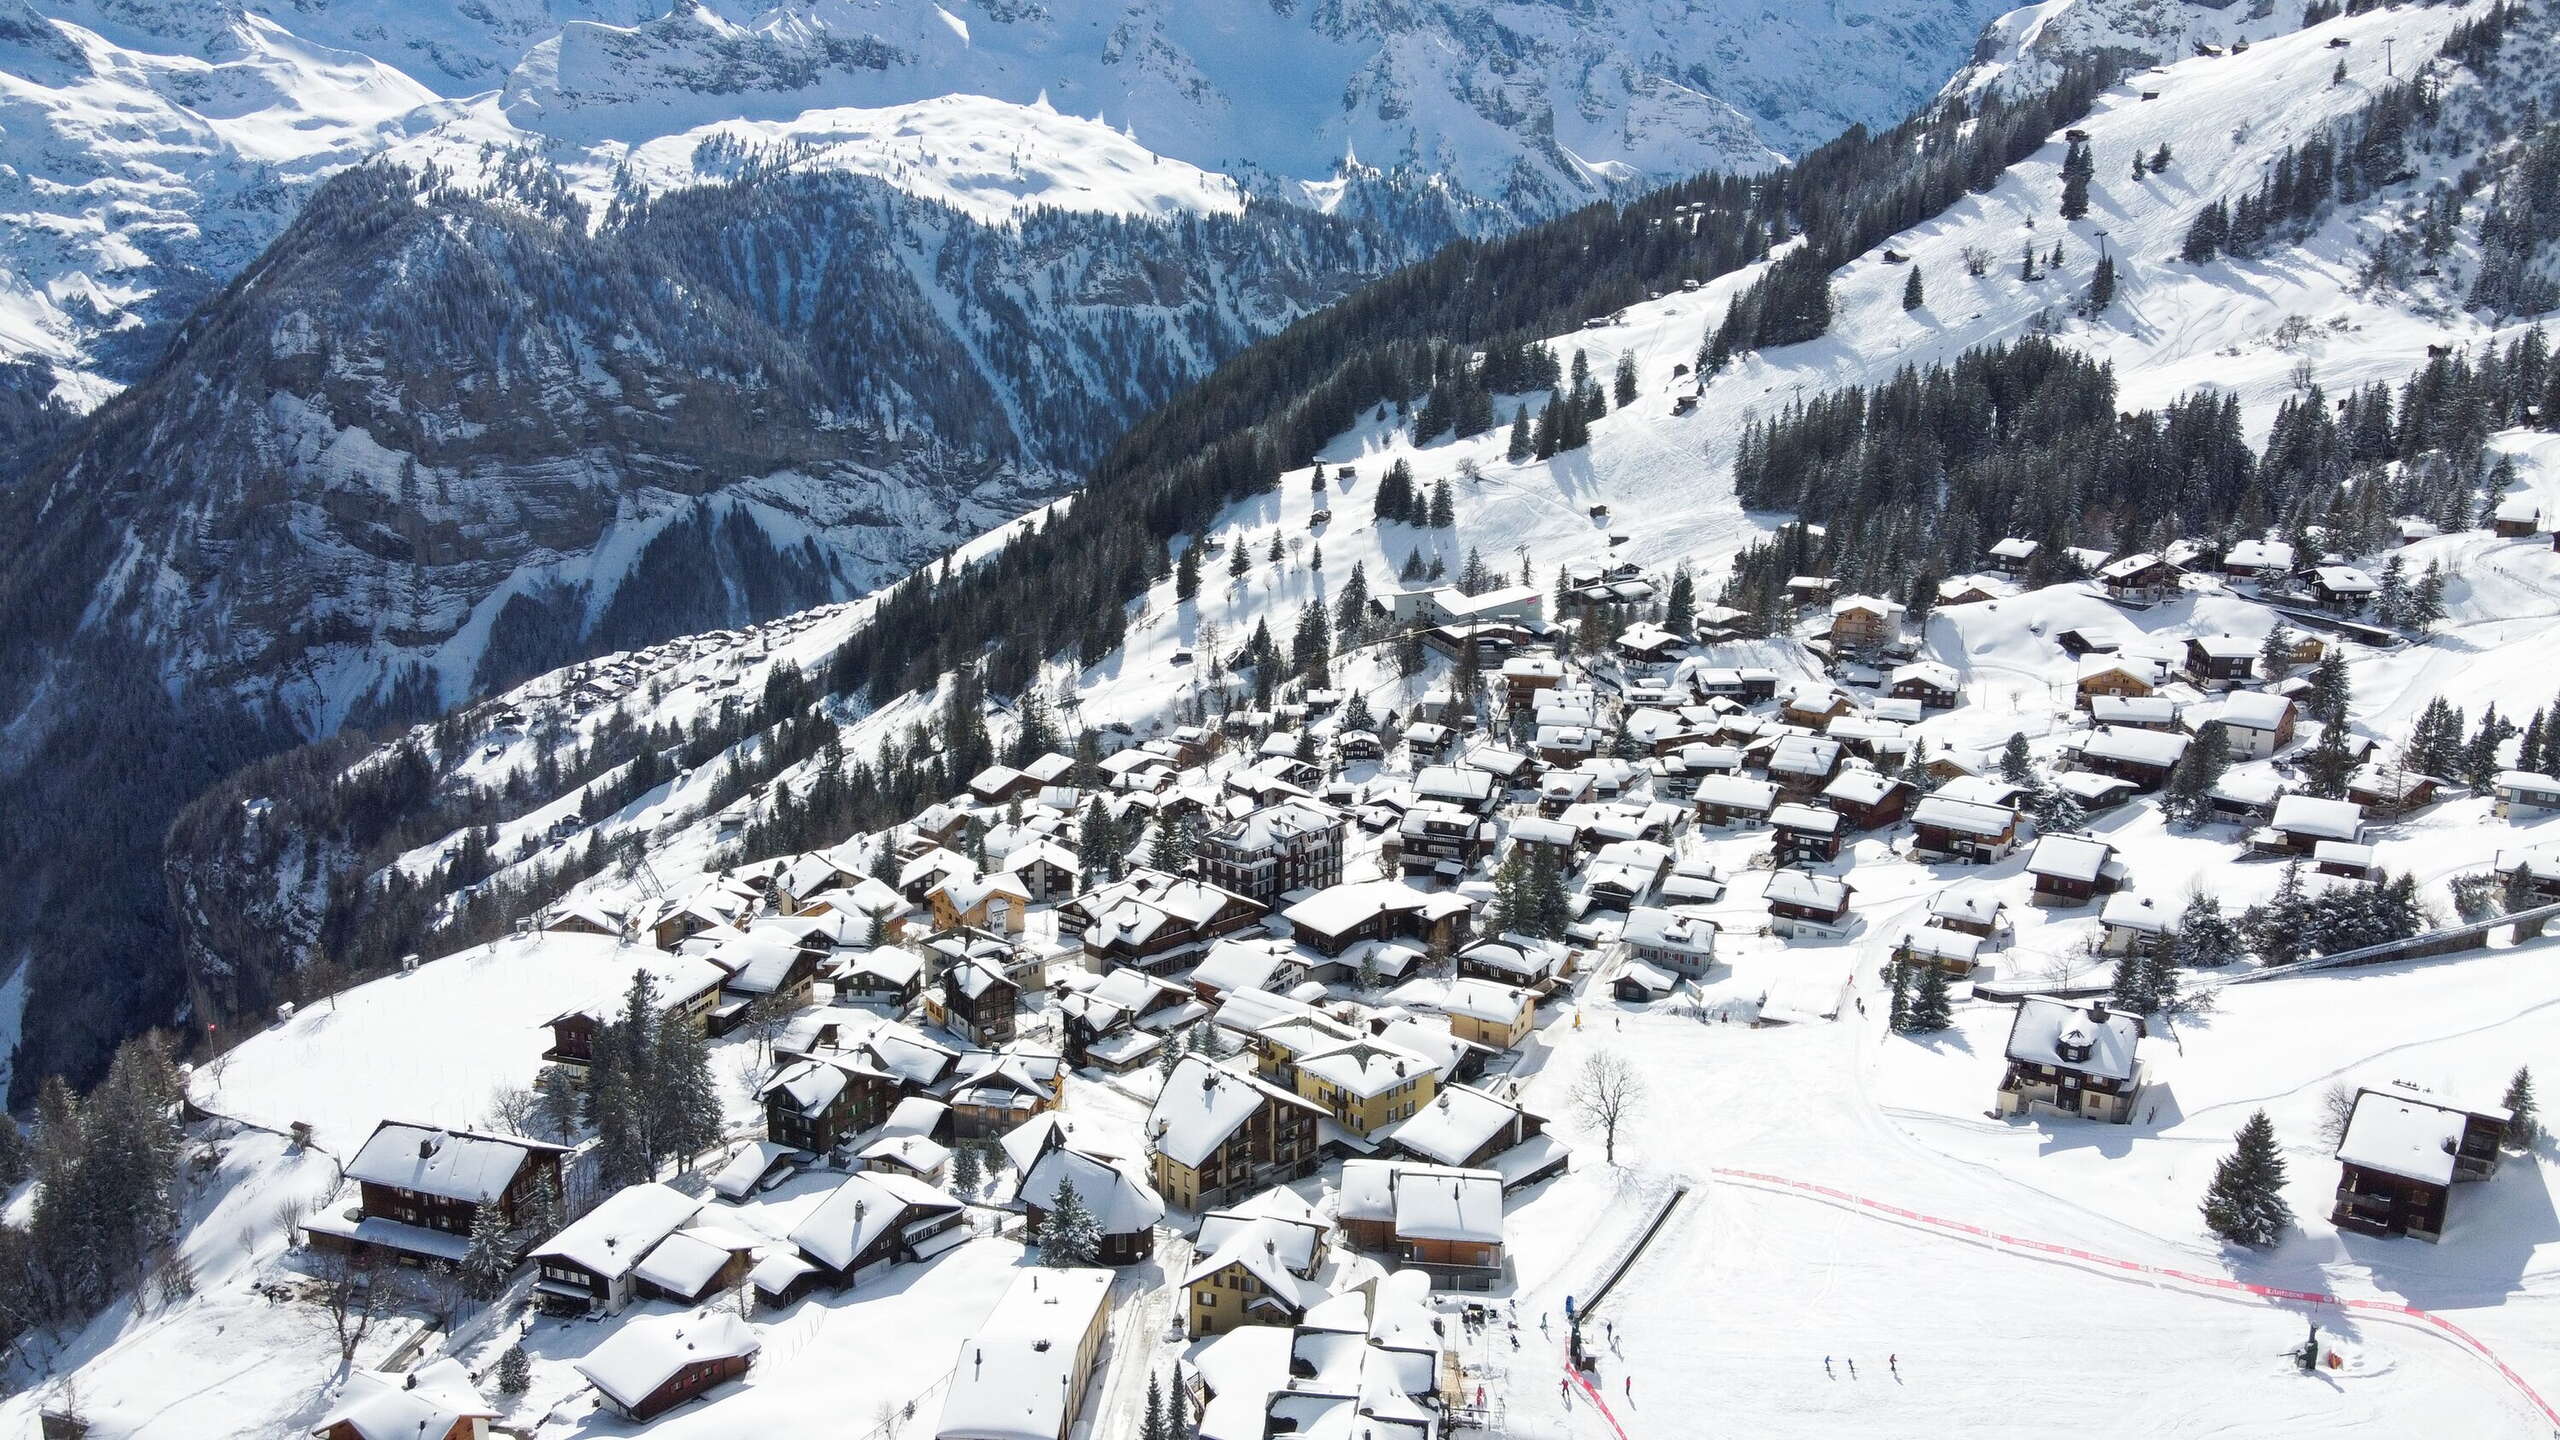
(2098, 1011)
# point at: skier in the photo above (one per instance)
(1629, 1381)
(1564, 1389)
(1826, 1367)
(1894, 1364)
(1853, 1367)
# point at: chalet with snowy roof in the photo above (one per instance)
(2142, 757)
(1748, 685)
(1952, 951)
(1525, 677)
(696, 1262)
(1861, 622)
(1803, 903)
(1676, 939)
(2013, 555)
(1154, 921)
(1734, 800)
(2524, 795)
(1945, 828)
(975, 999)
(1867, 799)
(2070, 870)
(767, 967)
(1355, 745)
(1490, 1013)
(879, 904)
(1216, 1135)
(1043, 871)
(1125, 1208)
(1024, 1374)
(992, 1091)
(1442, 841)
(2302, 822)
(1802, 765)
(2135, 712)
(2069, 1059)
(1467, 788)
(874, 1220)
(1439, 1219)
(1365, 1085)
(1625, 873)
(1814, 705)
(999, 783)
(1805, 834)
(919, 875)
(2384, 789)
(2537, 869)
(2342, 588)
(2403, 1151)
(583, 917)
(818, 1104)
(2219, 662)
(890, 976)
(2255, 724)
(1518, 961)
(1972, 590)
(1935, 686)
(1256, 1267)
(420, 1188)
(2140, 579)
(1334, 919)
(2133, 925)
(2249, 559)
(1472, 1129)
(1969, 909)
(435, 1401)
(2118, 675)
(2245, 795)
(655, 1363)
(1248, 963)
(687, 994)
(2518, 517)
(592, 1265)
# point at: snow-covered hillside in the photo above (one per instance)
(154, 148)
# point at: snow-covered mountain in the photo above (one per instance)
(153, 147)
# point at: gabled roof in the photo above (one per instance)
(2318, 818)
(858, 1212)
(2069, 857)
(452, 1164)
(2403, 1130)
(1798, 887)
(2139, 747)
(1200, 1104)
(612, 1239)
(1115, 1191)
(648, 1350)
(1963, 816)
(429, 1400)
(2044, 1024)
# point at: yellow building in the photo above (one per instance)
(1366, 1086)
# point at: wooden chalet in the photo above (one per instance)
(1216, 1135)
(1806, 834)
(2403, 1151)
(1443, 1221)
(2066, 1059)
(2073, 870)
(420, 1189)
(655, 1363)
(1962, 830)
(2141, 579)
(1935, 686)
(1867, 799)
(1801, 902)
(818, 1104)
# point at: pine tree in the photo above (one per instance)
(16, 1157)
(1522, 443)
(515, 1371)
(1682, 611)
(2523, 1127)
(1444, 507)
(2102, 284)
(542, 1212)
(2130, 991)
(2245, 1205)
(2077, 167)
(1351, 605)
(1152, 1427)
(1624, 383)
(2329, 765)
(1069, 1234)
(2329, 694)
(486, 1263)
(2017, 765)
(1186, 573)
(2188, 801)
(968, 1169)
(1929, 1011)
(1239, 560)
(2275, 655)
(1177, 1422)
(687, 1100)
(2205, 938)
(1913, 296)
(2277, 929)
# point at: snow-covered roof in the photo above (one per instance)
(1200, 1104)
(2252, 710)
(2344, 579)
(1114, 1190)
(453, 1164)
(2402, 1130)
(1872, 604)
(1963, 816)
(2069, 857)
(1929, 673)
(429, 1400)
(858, 1212)
(1364, 1068)
(648, 1350)
(2260, 555)
(2141, 914)
(1810, 818)
(2139, 747)
(1975, 904)
(2520, 508)
(1942, 944)
(738, 1177)
(1249, 964)
(2044, 1025)
(1677, 930)
(686, 1261)
(1804, 755)
(612, 1239)
(2528, 782)
(1798, 887)
(1736, 792)
(1435, 1202)
(1338, 908)
(2014, 548)
(2318, 818)
(1013, 1378)
(1457, 1123)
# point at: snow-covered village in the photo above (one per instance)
(1976, 773)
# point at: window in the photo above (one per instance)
(1208, 1299)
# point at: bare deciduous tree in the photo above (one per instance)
(1607, 1094)
(2337, 1107)
(352, 1294)
(514, 1110)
